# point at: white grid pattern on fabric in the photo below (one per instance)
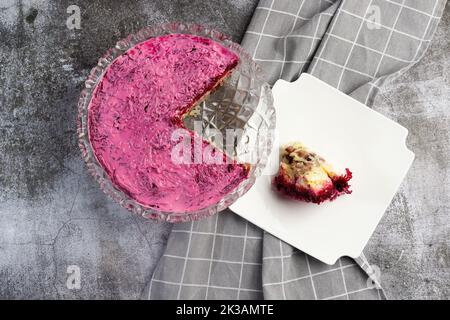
(212, 260)
(343, 278)
(315, 37)
(205, 286)
(185, 262)
(311, 274)
(311, 278)
(361, 24)
(327, 282)
(212, 256)
(344, 67)
(367, 48)
(283, 37)
(243, 258)
(217, 234)
(185, 259)
(338, 270)
(297, 16)
(422, 41)
(289, 14)
(392, 29)
(389, 38)
(346, 294)
(403, 5)
(282, 271)
(340, 38)
(285, 256)
(262, 30)
(333, 24)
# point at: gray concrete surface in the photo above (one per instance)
(53, 215)
(412, 243)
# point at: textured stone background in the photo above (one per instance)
(52, 214)
(412, 242)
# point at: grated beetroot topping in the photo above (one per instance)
(339, 186)
(137, 106)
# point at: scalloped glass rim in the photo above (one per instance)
(97, 170)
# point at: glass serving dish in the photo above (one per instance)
(243, 101)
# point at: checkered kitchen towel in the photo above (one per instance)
(354, 45)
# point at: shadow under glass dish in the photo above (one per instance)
(243, 103)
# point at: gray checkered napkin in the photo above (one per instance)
(354, 45)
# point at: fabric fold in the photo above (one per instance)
(355, 46)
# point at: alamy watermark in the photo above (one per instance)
(374, 279)
(73, 281)
(74, 20)
(225, 147)
(373, 17)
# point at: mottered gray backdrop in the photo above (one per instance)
(53, 216)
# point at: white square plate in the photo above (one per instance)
(349, 135)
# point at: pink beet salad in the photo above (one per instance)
(139, 104)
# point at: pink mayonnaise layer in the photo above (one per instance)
(137, 106)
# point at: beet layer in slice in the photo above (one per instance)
(305, 176)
